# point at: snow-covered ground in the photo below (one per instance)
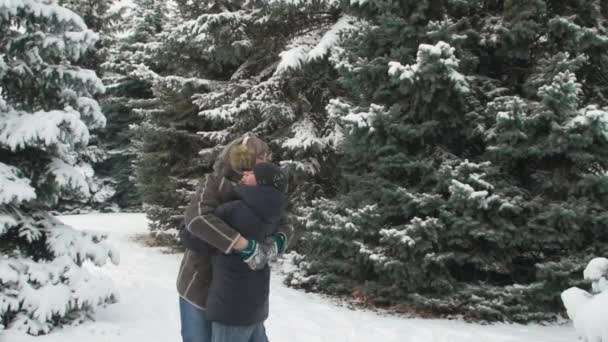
(148, 309)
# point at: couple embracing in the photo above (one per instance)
(235, 224)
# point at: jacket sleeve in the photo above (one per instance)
(201, 220)
(224, 211)
(286, 229)
(190, 242)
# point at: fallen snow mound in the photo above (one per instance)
(597, 272)
(589, 313)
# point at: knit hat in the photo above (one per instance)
(271, 175)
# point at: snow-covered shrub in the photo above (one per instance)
(597, 272)
(292, 267)
(589, 312)
(47, 109)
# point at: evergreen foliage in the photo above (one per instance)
(475, 158)
(47, 111)
(257, 67)
(113, 187)
(133, 42)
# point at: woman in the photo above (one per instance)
(239, 298)
(201, 223)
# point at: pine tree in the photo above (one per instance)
(47, 110)
(474, 154)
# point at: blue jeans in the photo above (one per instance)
(234, 333)
(195, 326)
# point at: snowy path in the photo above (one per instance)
(148, 309)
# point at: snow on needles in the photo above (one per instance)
(70, 176)
(330, 38)
(41, 9)
(89, 108)
(429, 57)
(79, 246)
(13, 187)
(73, 44)
(354, 117)
(38, 292)
(588, 116)
(312, 47)
(19, 130)
(87, 80)
(305, 137)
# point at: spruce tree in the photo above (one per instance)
(129, 37)
(255, 64)
(93, 12)
(168, 164)
(112, 188)
(474, 155)
(47, 112)
(164, 136)
(132, 38)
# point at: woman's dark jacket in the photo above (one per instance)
(238, 295)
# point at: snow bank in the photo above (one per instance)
(148, 310)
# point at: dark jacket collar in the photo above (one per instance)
(267, 202)
(231, 175)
